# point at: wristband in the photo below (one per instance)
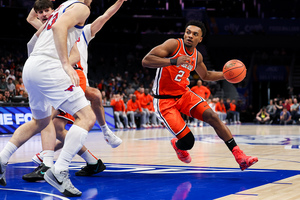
(173, 61)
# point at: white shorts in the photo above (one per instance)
(49, 85)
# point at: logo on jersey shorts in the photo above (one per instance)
(70, 88)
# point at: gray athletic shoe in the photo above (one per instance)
(2, 173)
(61, 182)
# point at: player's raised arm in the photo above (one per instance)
(156, 57)
(33, 20)
(75, 15)
(204, 73)
(101, 20)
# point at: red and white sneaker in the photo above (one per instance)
(243, 160)
(37, 159)
(182, 155)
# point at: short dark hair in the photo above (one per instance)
(42, 4)
(198, 24)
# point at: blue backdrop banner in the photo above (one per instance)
(12, 117)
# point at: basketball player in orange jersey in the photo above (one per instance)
(174, 60)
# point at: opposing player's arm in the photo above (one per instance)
(156, 57)
(204, 73)
(101, 20)
(33, 20)
(75, 15)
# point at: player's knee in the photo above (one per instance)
(210, 117)
(187, 142)
(94, 95)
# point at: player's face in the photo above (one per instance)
(192, 36)
(44, 14)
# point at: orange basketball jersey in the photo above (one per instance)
(173, 80)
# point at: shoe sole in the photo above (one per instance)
(101, 169)
(244, 165)
(2, 180)
(49, 178)
(115, 145)
(33, 179)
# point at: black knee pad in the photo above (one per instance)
(187, 142)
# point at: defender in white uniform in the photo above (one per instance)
(52, 81)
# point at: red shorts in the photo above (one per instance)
(82, 84)
(168, 111)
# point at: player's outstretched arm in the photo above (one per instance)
(33, 20)
(156, 57)
(101, 20)
(204, 74)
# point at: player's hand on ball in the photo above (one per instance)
(183, 60)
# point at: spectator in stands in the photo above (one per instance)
(130, 90)
(234, 112)
(7, 73)
(101, 86)
(228, 111)
(119, 110)
(18, 75)
(295, 111)
(3, 83)
(286, 104)
(11, 86)
(146, 101)
(139, 92)
(262, 116)
(279, 108)
(20, 88)
(104, 99)
(11, 75)
(221, 110)
(134, 110)
(201, 90)
(271, 110)
(285, 117)
(7, 96)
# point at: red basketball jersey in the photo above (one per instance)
(173, 80)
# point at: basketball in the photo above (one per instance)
(234, 71)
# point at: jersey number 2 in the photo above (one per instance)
(179, 76)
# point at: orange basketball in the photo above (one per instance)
(234, 71)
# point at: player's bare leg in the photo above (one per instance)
(94, 95)
(224, 133)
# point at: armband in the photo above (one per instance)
(173, 61)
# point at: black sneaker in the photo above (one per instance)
(37, 174)
(89, 170)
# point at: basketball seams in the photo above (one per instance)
(237, 75)
(232, 68)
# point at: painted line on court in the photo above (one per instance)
(36, 192)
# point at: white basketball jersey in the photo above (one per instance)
(45, 44)
(82, 45)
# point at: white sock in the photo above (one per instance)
(74, 141)
(48, 157)
(89, 157)
(7, 151)
(105, 129)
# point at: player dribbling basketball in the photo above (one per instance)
(174, 60)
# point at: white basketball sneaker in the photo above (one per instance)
(111, 139)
